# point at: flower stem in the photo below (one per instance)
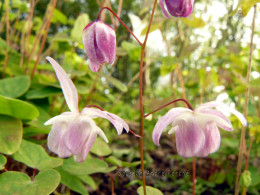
(7, 37)
(193, 174)
(243, 131)
(141, 96)
(44, 39)
(174, 101)
(99, 15)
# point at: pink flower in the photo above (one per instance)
(196, 131)
(99, 41)
(177, 8)
(73, 133)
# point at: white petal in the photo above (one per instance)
(67, 86)
(118, 122)
(204, 119)
(64, 117)
(164, 121)
(102, 134)
(218, 114)
(222, 105)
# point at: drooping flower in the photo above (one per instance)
(197, 132)
(73, 133)
(177, 8)
(99, 41)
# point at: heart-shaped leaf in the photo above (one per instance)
(2, 161)
(17, 108)
(33, 155)
(45, 182)
(11, 133)
(89, 166)
(14, 87)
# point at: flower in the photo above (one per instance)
(196, 131)
(99, 41)
(177, 8)
(73, 133)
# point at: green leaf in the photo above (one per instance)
(11, 133)
(149, 190)
(2, 161)
(255, 83)
(42, 92)
(80, 23)
(132, 49)
(152, 28)
(71, 181)
(247, 5)
(88, 180)
(37, 125)
(89, 166)
(59, 16)
(166, 69)
(14, 87)
(100, 148)
(33, 155)
(218, 177)
(119, 163)
(45, 182)
(17, 108)
(194, 22)
(245, 179)
(118, 84)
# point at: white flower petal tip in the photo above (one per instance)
(67, 86)
(196, 131)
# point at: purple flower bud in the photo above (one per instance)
(177, 8)
(99, 40)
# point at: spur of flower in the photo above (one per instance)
(99, 41)
(176, 8)
(74, 132)
(197, 132)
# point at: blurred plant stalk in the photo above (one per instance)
(242, 146)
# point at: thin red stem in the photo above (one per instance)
(99, 15)
(174, 101)
(5, 169)
(141, 96)
(193, 175)
(34, 173)
(90, 106)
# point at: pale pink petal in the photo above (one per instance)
(224, 106)
(219, 114)
(92, 135)
(67, 86)
(56, 141)
(212, 142)
(190, 138)
(164, 11)
(106, 41)
(164, 121)
(118, 122)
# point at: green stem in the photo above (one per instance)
(243, 131)
(141, 96)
